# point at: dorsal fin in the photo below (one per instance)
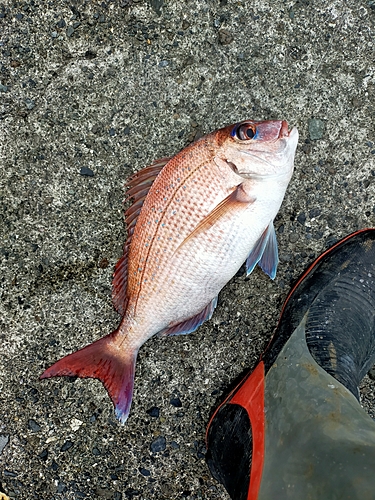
(139, 185)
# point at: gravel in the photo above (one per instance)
(105, 88)
(34, 426)
(87, 172)
(316, 129)
(4, 440)
(158, 445)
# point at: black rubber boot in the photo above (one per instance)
(294, 428)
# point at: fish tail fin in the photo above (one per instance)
(106, 361)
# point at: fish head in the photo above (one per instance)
(259, 148)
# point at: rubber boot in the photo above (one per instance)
(294, 427)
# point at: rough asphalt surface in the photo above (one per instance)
(93, 91)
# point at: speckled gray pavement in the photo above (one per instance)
(93, 91)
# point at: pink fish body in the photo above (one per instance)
(195, 219)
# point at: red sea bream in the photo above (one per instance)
(195, 218)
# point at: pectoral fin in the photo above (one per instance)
(265, 253)
(238, 200)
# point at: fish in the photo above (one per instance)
(195, 219)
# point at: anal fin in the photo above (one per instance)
(264, 253)
(191, 324)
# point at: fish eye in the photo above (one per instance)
(245, 132)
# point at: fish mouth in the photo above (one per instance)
(285, 132)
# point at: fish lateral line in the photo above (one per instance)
(163, 215)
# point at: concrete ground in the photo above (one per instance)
(92, 91)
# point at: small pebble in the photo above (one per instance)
(61, 487)
(301, 218)
(104, 492)
(157, 5)
(314, 212)
(153, 412)
(75, 424)
(176, 402)
(306, 148)
(318, 235)
(4, 440)
(316, 128)
(90, 54)
(163, 64)
(356, 102)
(66, 446)
(158, 445)
(87, 172)
(293, 237)
(144, 472)
(9, 473)
(3, 88)
(30, 104)
(70, 31)
(104, 263)
(34, 426)
(285, 257)
(225, 37)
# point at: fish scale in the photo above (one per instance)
(177, 221)
(194, 220)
